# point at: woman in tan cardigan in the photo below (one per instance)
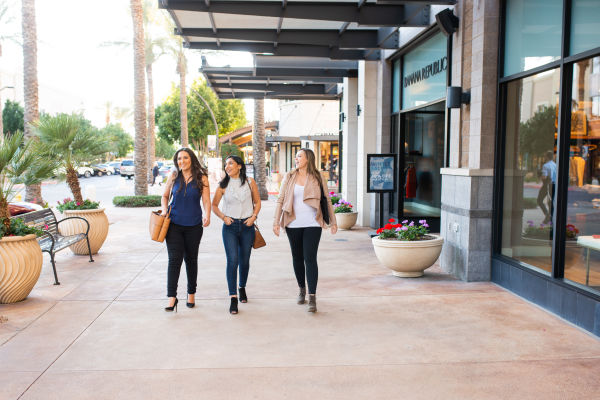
(299, 212)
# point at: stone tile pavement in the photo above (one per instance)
(103, 334)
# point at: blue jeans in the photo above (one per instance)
(238, 240)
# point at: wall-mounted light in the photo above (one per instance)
(358, 110)
(343, 117)
(455, 97)
(447, 21)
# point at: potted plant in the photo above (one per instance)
(69, 139)
(20, 254)
(537, 241)
(344, 214)
(407, 249)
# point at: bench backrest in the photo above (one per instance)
(40, 219)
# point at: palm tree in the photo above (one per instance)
(20, 163)
(5, 21)
(139, 61)
(65, 139)
(33, 193)
(258, 148)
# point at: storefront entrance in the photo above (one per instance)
(420, 146)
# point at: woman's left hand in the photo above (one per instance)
(205, 221)
(334, 229)
(250, 221)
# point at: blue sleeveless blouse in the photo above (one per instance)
(185, 204)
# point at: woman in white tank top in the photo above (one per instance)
(240, 208)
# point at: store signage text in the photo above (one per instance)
(426, 72)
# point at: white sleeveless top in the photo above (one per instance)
(306, 216)
(237, 200)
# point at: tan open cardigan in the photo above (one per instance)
(284, 213)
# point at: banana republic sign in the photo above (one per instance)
(426, 72)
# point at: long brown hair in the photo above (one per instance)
(198, 171)
(311, 165)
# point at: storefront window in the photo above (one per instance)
(328, 162)
(533, 34)
(585, 25)
(530, 168)
(582, 253)
(396, 87)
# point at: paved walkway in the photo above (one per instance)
(103, 333)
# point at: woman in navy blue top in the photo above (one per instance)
(187, 187)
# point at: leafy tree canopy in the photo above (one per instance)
(230, 115)
(164, 149)
(12, 117)
(228, 149)
(537, 133)
(120, 142)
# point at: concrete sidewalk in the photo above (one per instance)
(103, 334)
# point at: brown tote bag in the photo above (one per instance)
(159, 225)
(259, 241)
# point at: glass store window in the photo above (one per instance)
(533, 34)
(582, 253)
(585, 25)
(530, 168)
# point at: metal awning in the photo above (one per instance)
(347, 30)
(322, 138)
(289, 78)
(275, 139)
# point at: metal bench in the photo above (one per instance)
(52, 241)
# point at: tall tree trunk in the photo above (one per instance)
(139, 61)
(33, 193)
(73, 183)
(258, 148)
(151, 137)
(1, 122)
(183, 101)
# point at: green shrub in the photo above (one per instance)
(137, 201)
(529, 203)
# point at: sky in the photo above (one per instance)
(76, 72)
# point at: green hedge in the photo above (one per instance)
(137, 201)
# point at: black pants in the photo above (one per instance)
(305, 243)
(182, 244)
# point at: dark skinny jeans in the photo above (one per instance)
(304, 243)
(182, 244)
(238, 240)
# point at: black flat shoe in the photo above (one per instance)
(243, 297)
(233, 306)
(173, 307)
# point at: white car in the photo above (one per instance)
(85, 172)
(127, 169)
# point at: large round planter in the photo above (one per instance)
(346, 220)
(20, 266)
(408, 259)
(98, 229)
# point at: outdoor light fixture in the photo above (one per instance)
(343, 117)
(358, 110)
(455, 97)
(447, 21)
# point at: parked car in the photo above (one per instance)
(22, 207)
(109, 170)
(116, 166)
(164, 168)
(127, 169)
(85, 171)
(99, 170)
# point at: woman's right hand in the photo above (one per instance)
(228, 221)
(163, 211)
(276, 229)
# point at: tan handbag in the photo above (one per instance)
(159, 225)
(259, 241)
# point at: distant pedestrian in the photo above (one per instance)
(155, 173)
(241, 205)
(299, 212)
(188, 187)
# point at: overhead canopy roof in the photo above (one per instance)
(294, 32)
(281, 78)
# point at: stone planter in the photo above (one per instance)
(20, 266)
(346, 220)
(408, 259)
(98, 229)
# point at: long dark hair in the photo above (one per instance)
(238, 160)
(198, 171)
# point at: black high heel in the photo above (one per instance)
(190, 305)
(233, 306)
(243, 297)
(173, 307)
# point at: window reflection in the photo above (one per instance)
(530, 169)
(582, 255)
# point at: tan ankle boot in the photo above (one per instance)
(312, 303)
(302, 296)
